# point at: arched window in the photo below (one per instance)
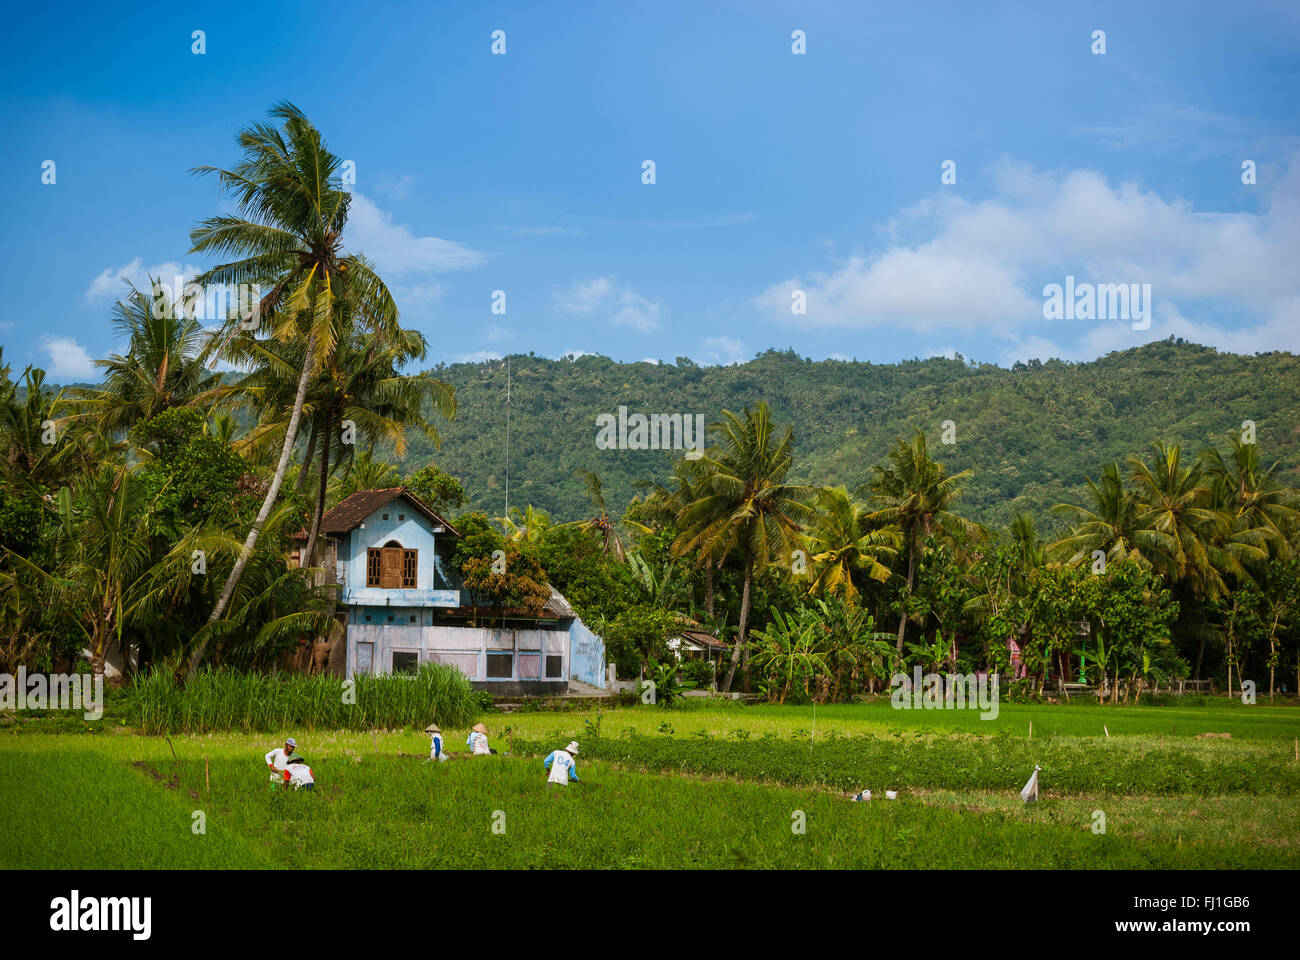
(392, 567)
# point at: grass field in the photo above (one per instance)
(710, 785)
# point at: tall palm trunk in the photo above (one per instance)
(306, 461)
(319, 510)
(708, 586)
(911, 575)
(744, 622)
(268, 502)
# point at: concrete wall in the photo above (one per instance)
(586, 655)
(463, 647)
(581, 652)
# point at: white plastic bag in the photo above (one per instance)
(1030, 792)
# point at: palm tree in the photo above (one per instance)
(163, 367)
(360, 384)
(664, 505)
(1258, 506)
(746, 504)
(287, 234)
(915, 494)
(103, 571)
(528, 525)
(611, 543)
(842, 540)
(27, 458)
(1109, 525)
(1176, 517)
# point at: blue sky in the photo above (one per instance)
(775, 172)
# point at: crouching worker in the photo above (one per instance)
(477, 741)
(436, 750)
(298, 775)
(562, 765)
(277, 759)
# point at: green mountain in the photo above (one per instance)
(1031, 434)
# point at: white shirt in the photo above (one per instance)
(277, 758)
(561, 762)
(480, 743)
(299, 774)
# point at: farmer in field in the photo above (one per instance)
(298, 775)
(278, 758)
(436, 751)
(477, 741)
(562, 765)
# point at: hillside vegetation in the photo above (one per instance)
(1031, 433)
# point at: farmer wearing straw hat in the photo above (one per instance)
(561, 761)
(435, 743)
(478, 741)
(278, 758)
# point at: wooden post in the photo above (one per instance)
(1103, 726)
(1031, 729)
(1297, 747)
(207, 781)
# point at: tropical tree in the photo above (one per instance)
(286, 233)
(842, 541)
(1109, 524)
(915, 494)
(163, 366)
(528, 525)
(600, 523)
(746, 504)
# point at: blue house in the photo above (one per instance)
(391, 557)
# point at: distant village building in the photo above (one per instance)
(391, 556)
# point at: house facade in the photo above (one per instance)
(391, 557)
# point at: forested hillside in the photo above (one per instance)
(1031, 434)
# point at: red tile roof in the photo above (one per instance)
(351, 512)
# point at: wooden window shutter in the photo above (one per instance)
(372, 567)
(410, 560)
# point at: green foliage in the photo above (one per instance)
(224, 700)
(639, 635)
(441, 491)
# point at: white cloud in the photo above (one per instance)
(496, 334)
(394, 185)
(979, 267)
(68, 360)
(619, 303)
(110, 284)
(721, 350)
(394, 248)
(574, 354)
(417, 294)
(479, 356)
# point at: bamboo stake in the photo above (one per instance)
(207, 780)
(1031, 729)
(1103, 726)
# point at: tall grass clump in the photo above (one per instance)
(225, 700)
